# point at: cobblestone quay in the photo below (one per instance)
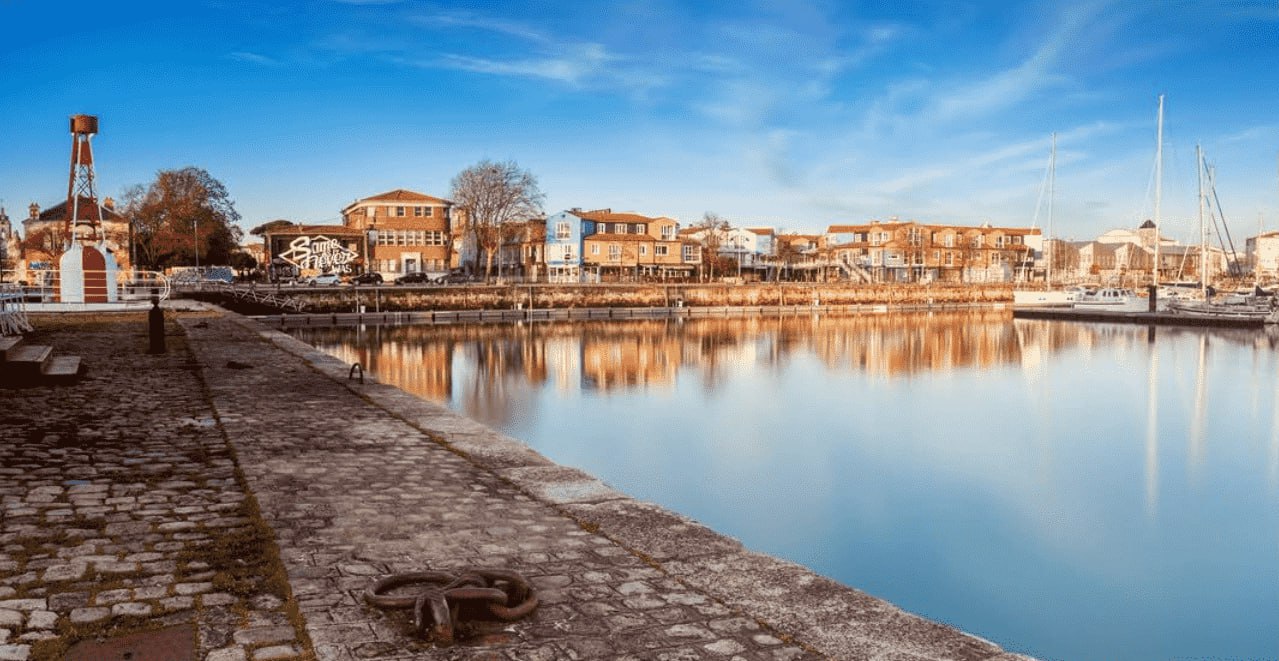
(242, 483)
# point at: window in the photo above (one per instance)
(643, 250)
(568, 254)
(949, 242)
(422, 212)
(638, 228)
(399, 211)
(595, 248)
(690, 253)
(563, 231)
(614, 252)
(950, 259)
(668, 233)
(661, 251)
(620, 228)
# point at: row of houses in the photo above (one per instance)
(403, 231)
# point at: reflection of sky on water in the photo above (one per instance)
(1070, 491)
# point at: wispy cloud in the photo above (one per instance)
(576, 64)
(485, 24)
(1252, 134)
(583, 62)
(254, 58)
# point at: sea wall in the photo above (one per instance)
(506, 297)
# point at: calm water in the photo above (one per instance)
(1070, 491)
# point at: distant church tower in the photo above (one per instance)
(87, 271)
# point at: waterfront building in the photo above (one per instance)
(293, 250)
(565, 232)
(520, 252)
(45, 236)
(798, 256)
(603, 245)
(411, 232)
(8, 248)
(629, 246)
(910, 251)
(1263, 254)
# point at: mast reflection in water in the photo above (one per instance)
(1070, 491)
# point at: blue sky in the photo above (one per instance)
(788, 114)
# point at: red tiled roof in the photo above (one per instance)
(608, 216)
(333, 230)
(763, 231)
(59, 211)
(401, 195)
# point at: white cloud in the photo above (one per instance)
(253, 58)
(484, 24)
(585, 61)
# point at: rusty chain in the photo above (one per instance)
(436, 607)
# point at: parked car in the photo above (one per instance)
(324, 279)
(414, 277)
(368, 278)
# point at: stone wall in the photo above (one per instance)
(505, 297)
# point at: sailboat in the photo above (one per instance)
(1048, 297)
(1246, 307)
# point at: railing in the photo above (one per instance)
(268, 296)
(13, 310)
(45, 285)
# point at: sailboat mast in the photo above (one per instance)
(1203, 228)
(1052, 178)
(1159, 180)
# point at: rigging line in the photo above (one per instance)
(1233, 261)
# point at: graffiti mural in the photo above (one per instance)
(320, 253)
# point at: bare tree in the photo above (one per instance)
(491, 196)
(713, 226)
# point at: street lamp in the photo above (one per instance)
(369, 242)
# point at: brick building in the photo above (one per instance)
(414, 232)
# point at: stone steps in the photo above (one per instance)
(26, 365)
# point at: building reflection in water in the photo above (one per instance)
(475, 366)
(492, 372)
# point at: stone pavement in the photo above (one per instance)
(120, 506)
(160, 490)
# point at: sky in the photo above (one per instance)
(795, 115)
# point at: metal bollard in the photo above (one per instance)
(155, 324)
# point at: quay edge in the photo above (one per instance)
(813, 613)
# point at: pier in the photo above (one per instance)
(1129, 317)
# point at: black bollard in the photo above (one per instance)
(1154, 297)
(155, 324)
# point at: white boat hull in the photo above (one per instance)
(1032, 298)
